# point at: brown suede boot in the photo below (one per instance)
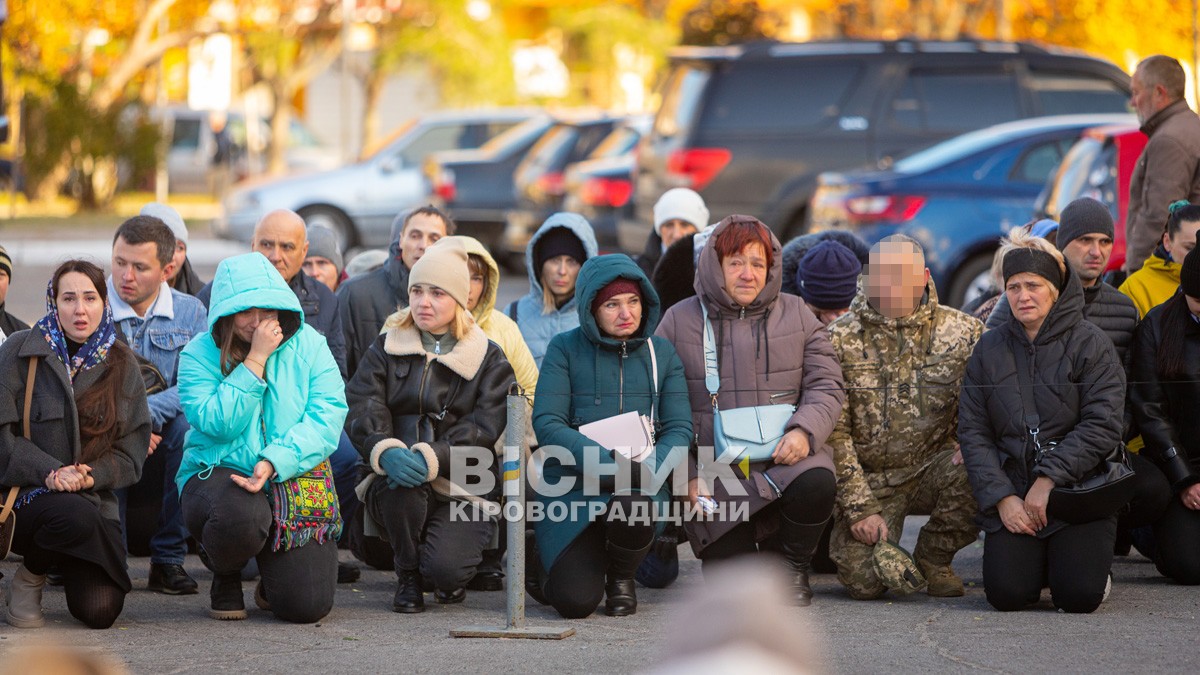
(943, 582)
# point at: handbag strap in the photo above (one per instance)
(653, 378)
(712, 374)
(1033, 421)
(12, 491)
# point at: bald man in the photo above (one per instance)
(282, 237)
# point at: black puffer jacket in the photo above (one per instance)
(1111, 310)
(403, 396)
(366, 301)
(1168, 411)
(1079, 387)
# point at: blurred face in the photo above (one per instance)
(477, 286)
(826, 316)
(896, 279)
(1178, 246)
(136, 273)
(559, 274)
(3, 285)
(675, 229)
(177, 260)
(1146, 99)
(80, 306)
(620, 316)
(1030, 296)
(432, 308)
(281, 237)
(745, 273)
(419, 234)
(323, 270)
(245, 321)
(1088, 256)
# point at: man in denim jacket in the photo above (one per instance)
(157, 321)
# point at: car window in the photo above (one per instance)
(547, 154)
(519, 136)
(434, 139)
(620, 141)
(778, 95)
(954, 101)
(679, 99)
(1084, 164)
(1070, 93)
(186, 133)
(589, 137)
(1038, 162)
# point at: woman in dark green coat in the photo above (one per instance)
(590, 540)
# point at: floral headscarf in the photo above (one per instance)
(93, 352)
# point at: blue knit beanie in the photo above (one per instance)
(827, 276)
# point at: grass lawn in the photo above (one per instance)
(62, 215)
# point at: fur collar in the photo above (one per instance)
(464, 360)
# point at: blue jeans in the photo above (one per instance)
(344, 462)
(168, 546)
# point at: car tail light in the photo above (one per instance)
(444, 186)
(698, 166)
(552, 184)
(875, 208)
(611, 192)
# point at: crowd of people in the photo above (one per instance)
(808, 397)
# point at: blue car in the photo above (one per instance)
(957, 197)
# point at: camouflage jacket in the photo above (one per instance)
(902, 381)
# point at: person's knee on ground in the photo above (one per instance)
(91, 596)
(1073, 596)
(571, 599)
(1177, 534)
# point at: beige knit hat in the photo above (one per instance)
(444, 265)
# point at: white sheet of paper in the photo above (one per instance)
(625, 433)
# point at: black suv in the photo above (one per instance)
(751, 126)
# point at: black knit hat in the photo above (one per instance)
(1189, 274)
(827, 277)
(555, 242)
(1083, 216)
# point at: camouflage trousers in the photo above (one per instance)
(940, 491)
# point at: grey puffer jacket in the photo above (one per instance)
(54, 422)
(1079, 391)
(1111, 310)
(773, 350)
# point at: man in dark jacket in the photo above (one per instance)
(8, 323)
(1085, 237)
(368, 300)
(1169, 167)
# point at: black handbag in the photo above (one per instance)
(1100, 494)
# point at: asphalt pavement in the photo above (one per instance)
(1148, 624)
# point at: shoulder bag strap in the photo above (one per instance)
(12, 491)
(653, 376)
(712, 374)
(1028, 403)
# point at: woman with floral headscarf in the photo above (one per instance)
(85, 433)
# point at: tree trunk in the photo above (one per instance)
(372, 91)
(281, 118)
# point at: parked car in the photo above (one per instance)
(1100, 165)
(476, 186)
(539, 182)
(750, 127)
(189, 155)
(957, 198)
(600, 188)
(360, 200)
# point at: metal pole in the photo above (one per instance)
(513, 474)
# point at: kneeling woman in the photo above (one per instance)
(266, 403)
(431, 386)
(1078, 392)
(79, 430)
(605, 367)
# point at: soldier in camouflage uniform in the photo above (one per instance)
(903, 356)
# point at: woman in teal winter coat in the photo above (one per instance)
(590, 540)
(266, 403)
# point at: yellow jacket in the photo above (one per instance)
(498, 327)
(1153, 284)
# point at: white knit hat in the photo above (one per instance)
(169, 216)
(683, 204)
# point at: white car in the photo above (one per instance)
(360, 200)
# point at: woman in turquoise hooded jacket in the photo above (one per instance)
(601, 369)
(266, 403)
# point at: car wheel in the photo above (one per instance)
(334, 219)
(973, 279)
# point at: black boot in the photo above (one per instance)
(226, 597)
(620, 590)
(410, 599)
(797, 541)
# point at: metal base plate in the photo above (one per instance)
(529, 632)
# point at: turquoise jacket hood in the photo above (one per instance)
(250, 280)
(597, 273)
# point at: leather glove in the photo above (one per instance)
(404, 467)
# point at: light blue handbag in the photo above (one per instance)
(751, 432)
